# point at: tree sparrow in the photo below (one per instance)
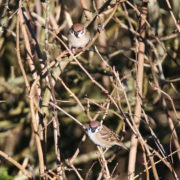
(78, 36)
(103, 136)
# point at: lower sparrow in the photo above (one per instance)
(78, 36)
(103, 136)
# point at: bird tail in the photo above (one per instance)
(123, 146)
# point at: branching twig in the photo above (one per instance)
(19, 166)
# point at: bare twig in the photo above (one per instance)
(35, 128)
(19, 166)
(19, 55)
(139, 85)
(107, 173)
(172, 15)
(54, 105)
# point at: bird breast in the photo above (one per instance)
(78, 42)
(98, 140)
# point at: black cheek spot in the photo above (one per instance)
(93, 130)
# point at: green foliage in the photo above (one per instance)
(4, 174)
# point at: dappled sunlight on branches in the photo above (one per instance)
(126, 76)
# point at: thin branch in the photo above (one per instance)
(172, 15)
(19, 166)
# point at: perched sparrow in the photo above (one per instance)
(103, 136)
(78, 36)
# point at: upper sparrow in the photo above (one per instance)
(103, 136)
(78, 36)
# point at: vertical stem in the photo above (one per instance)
(35, 129)
(56, 124)
(139, 86)
(107, 175)
(19, 55)
(34, 113)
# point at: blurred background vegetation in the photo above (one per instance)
(117, 44)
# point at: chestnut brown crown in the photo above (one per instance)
(77, 27)
(94, 124)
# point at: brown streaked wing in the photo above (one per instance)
(108, 134)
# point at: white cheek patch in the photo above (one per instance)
(81, 33)
(92, 134)
(98, 129)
